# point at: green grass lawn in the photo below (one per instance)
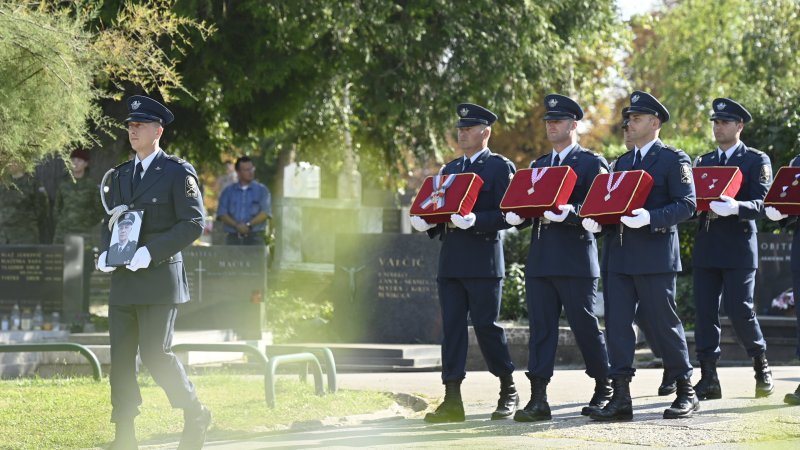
(74, 413)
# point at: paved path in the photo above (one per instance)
(736, 421)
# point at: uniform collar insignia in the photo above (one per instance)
(553, 102)
(635, 98)
(463, 112)
(158, 167)
(135, 104)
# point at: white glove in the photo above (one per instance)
(420, 224)
(726, 207)
(141, 259)
(513, 218)
(591, 225)
(101, 264)
(553, 217)
(774, 214)
(463, 222)
(640, 218)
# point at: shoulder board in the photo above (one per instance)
(754, 150)
(119, 166)
(673, 149)
(497, 155)
(174, 158)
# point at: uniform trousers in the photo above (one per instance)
(796, 283)
(148, 329)
(736, 287)
(654, 297)
(480, 299)
(577, 295)
(648, 335)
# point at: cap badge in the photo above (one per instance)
(135, 105)
(635, 98)
(463, 112)
(552, 102)
(721, 106)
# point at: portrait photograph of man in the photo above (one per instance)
(124, 239)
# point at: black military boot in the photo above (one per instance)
(764, 386)
(195, 426)
(708, 388)
(537, 409)
(686, 403)
(508, 402)
(793, 398)
(452, 408)
(620, 407)
(668, 385)
(601, 397)
(124, 436)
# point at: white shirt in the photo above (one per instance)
(728, 152)
(146, 162)
(476, 155)
(562, 155)
(646, 148)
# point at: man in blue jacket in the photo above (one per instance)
(562, 268)
(643, 262)
(725, 256)
(471, 269)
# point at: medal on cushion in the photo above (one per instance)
(536, 175)
(784, 188)
(611, 187)
(796, 182)
(713, 183)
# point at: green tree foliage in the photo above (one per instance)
(57, 68)
(386, 73)
(694, 51)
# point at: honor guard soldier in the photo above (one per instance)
(725, 256)
(145, 293)
(794, 222)
(562, 269)
(471, 269)
(642, 270)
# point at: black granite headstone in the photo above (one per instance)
(774, 274)
(227, 286)
(385, 289)
(32, 274)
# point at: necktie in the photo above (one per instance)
(637, 160)
(137, 175)
(723, 159)
(467, 163)
(556, 160)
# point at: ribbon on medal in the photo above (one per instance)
(439, 188)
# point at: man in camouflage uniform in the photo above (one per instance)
(23, 208)
(77, 205)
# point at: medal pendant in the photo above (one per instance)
(795, 183)
(783, 194)
(608, 197)
(531, 190)
(704, 176)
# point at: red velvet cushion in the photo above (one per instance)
(631, 193)
(710, 183)
(784, 194)
(549, 192)
(459, 198)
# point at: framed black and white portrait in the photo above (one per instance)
(125, 238)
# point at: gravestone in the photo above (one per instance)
(227, 287)
(384, 289)
(301, 180)
(774, 274)
(33, 274)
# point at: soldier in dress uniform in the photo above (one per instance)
(725, 255)
(643, 262)
(123, 250)
(793, 222)
(145, 293)
(471, 269)
(23, 208)
(562, 268)
(667, 386)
